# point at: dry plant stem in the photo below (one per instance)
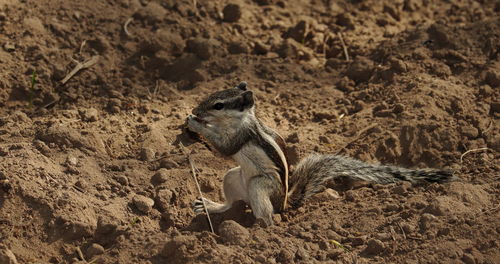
(359, 135)
(82, 46)
(469, 151)
(344, 47)
(80, 254)
(402, 230)
(193, 171)
(125, 27)
(80, 66)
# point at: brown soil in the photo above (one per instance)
(82, 163)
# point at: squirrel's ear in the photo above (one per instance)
(242, 86)
(247, 99)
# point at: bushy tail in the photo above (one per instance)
(312, 172)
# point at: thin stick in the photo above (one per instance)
(80, 254)
(359, 135)
(126, 25)
(80, 66)
(469, 151)
(402, 230)
(193, 171)
(344, 47)
(82, 46)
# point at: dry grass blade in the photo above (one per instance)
(470, 151)
(125, 27)
(193, 171)
(80, 66)
(344, 47)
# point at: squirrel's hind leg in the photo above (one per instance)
(261, 189)
(233, 191)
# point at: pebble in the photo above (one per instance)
(94, 250)
(233, 233)
(168, 164)
(164, 199)
(468, 259)
(470, 132)
(143, 203)
(9, 47)
(147, 154)
(6, 256)
(231, 13)
(360, 70)
(89, 115)
(261, 48)
(161, 176)
(153, 12)
(237, 48)
(374, 247)
(123, 180)
(327, 195)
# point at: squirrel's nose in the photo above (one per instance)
(196, 111)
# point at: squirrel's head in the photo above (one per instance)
(230, 105)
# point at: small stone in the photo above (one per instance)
(285, 256)
(152, 12)
(168, 164)
(402, 188)
(233, 233)
(6, 256)
(495, 107)
(345, 20)
(176, 249)
(89, 115)
(408, 228)
(237, 48)
(427, 221)
(82, 184)
(360, 70)
(398, 65)
(391, 207)
(351, 196)
(261, 48)
(231, 13)
(161, 176)
(123, 180)
(374, 247)
(358, 241)
(164, 199)
(203, 48)
(94, 250)
(327, 195)
(34, 25)
(470, 132)
(493, 78)
(147, 154)
(485, 90)
(468, 259)
(9, 47)
(398, 109)
(143, 203)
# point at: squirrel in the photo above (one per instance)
(226, 119)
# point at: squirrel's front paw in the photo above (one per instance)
(193, 124)
(198, 207)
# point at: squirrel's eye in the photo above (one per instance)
(218, 106)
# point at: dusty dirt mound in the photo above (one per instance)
(89, 171)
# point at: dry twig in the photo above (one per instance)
(344, 47)
(469, 151)
(193, 171)
(125, 29)
(80, 66)
(359, 135)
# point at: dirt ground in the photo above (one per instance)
(89, 172)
